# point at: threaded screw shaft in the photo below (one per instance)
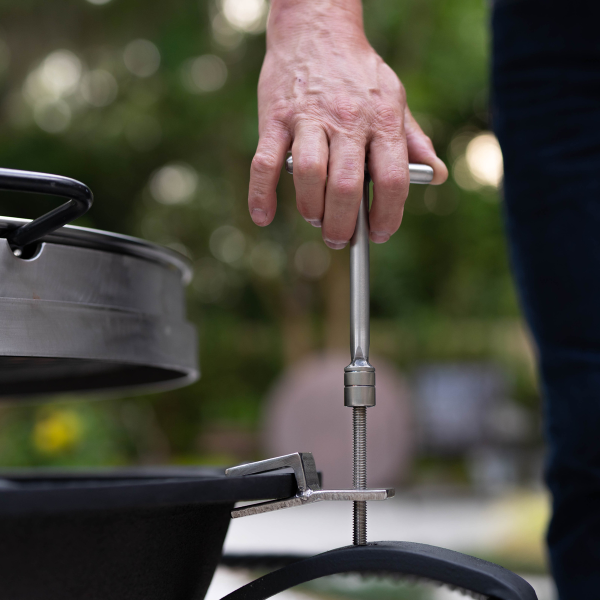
(359, 424)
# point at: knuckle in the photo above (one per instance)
(393, 182)
(308, 108)
(424, 137)
(310, 169)
(281, 113)
(264, 162)
(388, 117)
(428, 141)
(346, 112)
(346, 186)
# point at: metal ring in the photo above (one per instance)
(80, 200)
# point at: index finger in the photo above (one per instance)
(273, 143)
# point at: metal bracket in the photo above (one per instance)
(307, 480)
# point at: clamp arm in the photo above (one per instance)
(307, 479)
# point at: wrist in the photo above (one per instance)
(295, 19)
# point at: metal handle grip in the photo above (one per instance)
(79, 195)
(417, 173)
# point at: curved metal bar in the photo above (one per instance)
(80, 200)
(405, 558)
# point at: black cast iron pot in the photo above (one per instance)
(87, 310)
(119, 535)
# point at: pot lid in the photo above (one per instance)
(96, 239)
(92, 311)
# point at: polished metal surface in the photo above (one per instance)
(359, 284)
(309, 489)
(311, 498)
(75, 319)
(359, 375)
(421, 174)
(418, 173)
(303, 464)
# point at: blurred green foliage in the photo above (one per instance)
(445, 268)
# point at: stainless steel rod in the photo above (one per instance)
(359, 283)
(359, 352)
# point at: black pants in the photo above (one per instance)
(546, 112)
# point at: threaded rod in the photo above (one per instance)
(359, 423)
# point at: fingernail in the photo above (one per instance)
(259, 216)
(335, 245)
(315, 222)
(379, 237)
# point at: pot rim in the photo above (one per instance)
(42, 491)
(117, 243)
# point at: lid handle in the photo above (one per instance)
(80, 200)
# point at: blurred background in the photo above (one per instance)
(153, 105)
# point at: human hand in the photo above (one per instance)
(326, 93)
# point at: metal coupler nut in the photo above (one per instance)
(359, 386)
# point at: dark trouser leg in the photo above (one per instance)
(546, 105)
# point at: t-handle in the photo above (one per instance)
(417, 173)
(359, 375)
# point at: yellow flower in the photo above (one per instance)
(57, 431)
